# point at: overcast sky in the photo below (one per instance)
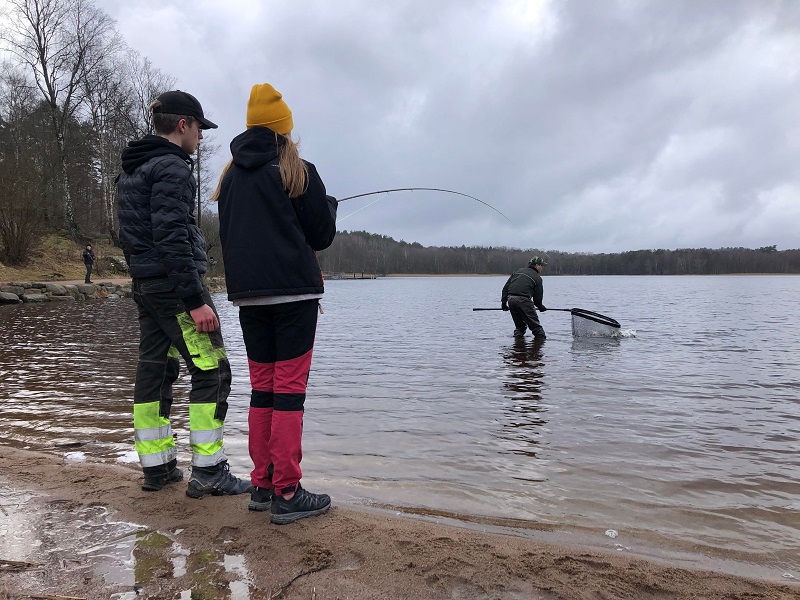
(595, 126)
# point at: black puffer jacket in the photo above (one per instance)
(157, 224)
(268, 240)
(524, 282)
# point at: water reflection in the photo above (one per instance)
(159, 564)
(526, 367)
(525, 410)
(595, 344)
(141, 561)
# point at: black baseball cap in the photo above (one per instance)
(181, 103)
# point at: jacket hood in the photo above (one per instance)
(255, 147)
(150, 146)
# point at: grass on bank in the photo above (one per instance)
(57, 257)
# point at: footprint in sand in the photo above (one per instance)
(228, 534)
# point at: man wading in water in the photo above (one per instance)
(165, 251)
(521, 292)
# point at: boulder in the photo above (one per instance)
(117, 264)
(22, 284)
(56, 290)
(17, 290)
(9, 298)
(34, 297)
(87, 288)
(69, 298)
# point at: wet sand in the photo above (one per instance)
(347, 553)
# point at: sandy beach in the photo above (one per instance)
(347, 553)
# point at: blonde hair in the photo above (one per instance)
(294, 172)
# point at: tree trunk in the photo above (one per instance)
(69, 210)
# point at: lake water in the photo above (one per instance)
(684, 437)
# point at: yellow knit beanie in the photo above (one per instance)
(266, 108)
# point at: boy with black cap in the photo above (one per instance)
(165, 251)
(521, 293)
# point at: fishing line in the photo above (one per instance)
(414, 189)
(357, 211)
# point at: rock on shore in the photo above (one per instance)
(34, 291)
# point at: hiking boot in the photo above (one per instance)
(303, 504)
(218, 481)
(155, 481)
(518, 333)
(260, 499)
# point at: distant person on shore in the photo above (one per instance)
(522, 295)
(165, 251)
(88, 261)
(274, 215)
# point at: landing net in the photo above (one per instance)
(586, 323)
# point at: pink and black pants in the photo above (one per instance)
(279, 339)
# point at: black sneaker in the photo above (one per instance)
(303, 504)
(260, 499)
(155, 481)
(217, 482)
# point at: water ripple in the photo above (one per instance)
(688, 431)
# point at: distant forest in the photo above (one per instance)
(369, 253)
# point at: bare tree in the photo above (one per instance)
(59, 41)
(206, 182)
(110, 107)
(146, 82)
(21, 179)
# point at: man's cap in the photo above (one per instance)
(537, 260)
(181, 103)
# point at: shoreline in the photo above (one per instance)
(351, 552)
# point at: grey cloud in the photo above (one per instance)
(605, 126)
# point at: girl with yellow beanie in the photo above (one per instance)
(274, 215)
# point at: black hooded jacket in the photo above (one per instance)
(157, 224)
(268, 239)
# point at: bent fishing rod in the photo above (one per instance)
(414, 189)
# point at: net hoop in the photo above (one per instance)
(596, 317)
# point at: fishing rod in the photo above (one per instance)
(414, 189)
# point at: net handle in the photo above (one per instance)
(591, 316)
(579, 312)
